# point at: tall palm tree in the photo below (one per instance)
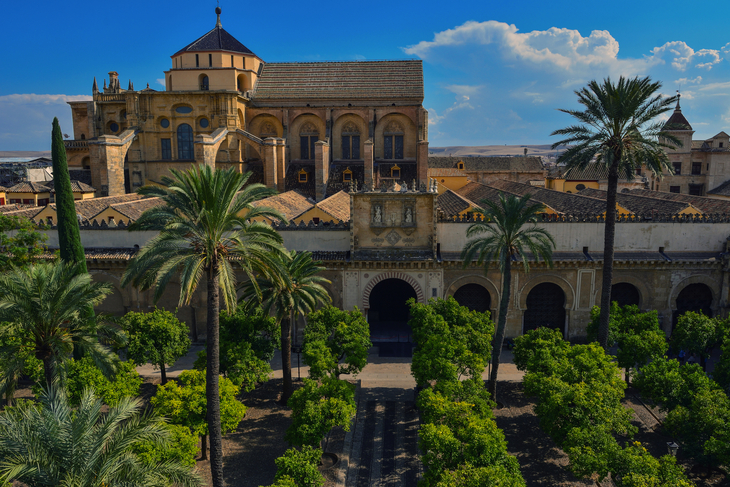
(51, 444)
(617, 130)
(205, 226)
(48, 304)
(296, 290)
(502, 236)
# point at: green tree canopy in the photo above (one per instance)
(24, 246)
(83, 373)
(157, 337)
(336, 342)
(696, 333)
(619, 130)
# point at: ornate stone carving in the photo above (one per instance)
(268, 130)
(394, 128)
(393, 237)
(350, 129)
(308, 129)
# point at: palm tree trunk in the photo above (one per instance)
(286, 359)
(212, 395)
(605, 315)
(501, 325)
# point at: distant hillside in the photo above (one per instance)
(492, 150)
(23, 153)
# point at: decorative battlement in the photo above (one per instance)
(322, 225)
(590, 218)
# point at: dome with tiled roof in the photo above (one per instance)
(217, 39)
(677, 120)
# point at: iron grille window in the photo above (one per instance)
(696, 168)
(185, 142)
(393, 147)
(166, 146)
(204, 83)
(474, 297)
(674, 189)
(351, 147)
(696, 189)
(677, 168)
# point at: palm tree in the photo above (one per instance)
(204, 228)
(296, 289)
(48, 305)
(51, 444)
(617, 131)
(500, 236)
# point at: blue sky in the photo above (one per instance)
(495, 72)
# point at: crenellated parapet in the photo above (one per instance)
(599, 218)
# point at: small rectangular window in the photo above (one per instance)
(696, 168)
(210, 60)
(232, 64)
(696, 189)
(197, 61)
(674, 189)
(677, 168)
(721, 144)
(166, 147)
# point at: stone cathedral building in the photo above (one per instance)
(346, 146)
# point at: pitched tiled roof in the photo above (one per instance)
(439, 172)
(408, 172)
(29, 213)
(291, 182)
(28, 187)
(677, 121)
(641, 205)
(87, 209)
(348, 80)
(452, 203)
(133, 209)
(83, 175)
(216, 40)
(561, 202)
(15, 207)
(702, 203)
(496, 164)
(722, 190)
(337, 205)
(291, 204)
(76, 187)
(256, 168)
(335, 182)
(592, 172)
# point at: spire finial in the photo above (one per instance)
(218, 14)
(679, 95)
(95, 87)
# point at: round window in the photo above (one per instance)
(164, 123)
(580, 187)
(114, 127)
(183, 109)
(204, 122)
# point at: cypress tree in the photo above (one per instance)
(69, 239)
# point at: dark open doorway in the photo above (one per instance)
(695, 297)
(474, 297)
(625, 294)
(388, 317)
(545, 308)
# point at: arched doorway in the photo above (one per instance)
(388, 317)
(695, 297)
(474, 297)
(545, 308)
(625, 294)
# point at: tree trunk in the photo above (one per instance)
(501, 325)
(628, 376)
(605, 315)
(204, 447)
(212, 395)
(286, 359)
(163, 373)
(48, 368)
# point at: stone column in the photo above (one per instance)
(368, 164)
(281, 165)
(422, 161)
(321, 168)
(107, 162)
(270, 163)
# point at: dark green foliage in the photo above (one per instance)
(721, 372)
(17, 358)
(298, 468)
(538, 349)
(669, 384)
(157, 337)
(69, 239)
(316, 409)
(336, 342)
(634, 466)
(182, 447)
(247, 343)
(452, 342)
(83, 373)
(24, 247)
(696, 333)
(637, 334)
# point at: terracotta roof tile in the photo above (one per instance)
(28, 187)
(496, 164)
(133, 209)
(452, 203)
(291, 181)
(722, 190)
(348, 80)
(337, 205)
(336, 183)
(702, 203)
(641, 205)
(435, 172)
(15, 207)
(76, 187)
(291, 204)
(28, 213)
(565, 203)
(217, 39)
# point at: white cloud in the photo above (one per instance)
(688, 81)
(683, 55)
(161, 81)
(42, 99)
(464, 91)
(726, 48)
(715, 86)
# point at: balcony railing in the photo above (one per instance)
(110, 97)
(76, 144)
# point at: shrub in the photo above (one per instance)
(181, 448)
(669, 384)
(82, 374)
(299, 468)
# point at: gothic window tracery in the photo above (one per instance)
(393, 141)
(185, 142)
(308, 135)
(350, 141)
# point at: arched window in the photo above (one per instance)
(545, 308)
(185, 142)
(474, 297)
(393, 141)
(204, 82)
(350, 141)
(308, 135)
